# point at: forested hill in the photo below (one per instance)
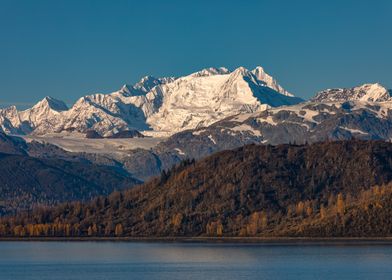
(26, 181)
(323, 189)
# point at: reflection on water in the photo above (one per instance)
(121, 260)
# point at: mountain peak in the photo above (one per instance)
(9, 109)
(261, 75)
(145, 84)
(242, 72)
(51, 103)
(211, 71)
(240, 69)
(373, 92)
(125, 89)
(258, 69)
(147, 78)
(372, 86)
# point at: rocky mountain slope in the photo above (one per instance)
(164, 105)
(256, 190)
(367, 92)
(307, 122)
(303, 123)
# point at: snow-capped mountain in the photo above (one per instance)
(43, 114)
(367, 92)
(10, 121)
(164, 105)
(146, 84)
(307, 122)
(205, 97)
(261, 75)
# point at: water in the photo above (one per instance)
(121, 260)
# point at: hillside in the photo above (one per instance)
(251, 191)
(26, 181)
(12, 145)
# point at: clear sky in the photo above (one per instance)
(69, 48)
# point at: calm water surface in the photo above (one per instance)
(121, 260)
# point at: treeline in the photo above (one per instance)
(368, 213)
(324, 189)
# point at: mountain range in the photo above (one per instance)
(198, 114)
(367, 92)
(215, 153)
(158, 105)
(181, 118)
(307, 122)
(165, 106)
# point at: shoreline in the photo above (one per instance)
(216, 240)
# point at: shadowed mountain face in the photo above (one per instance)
(26, 181)
(244, 192)
(12, 145)
(56, 176)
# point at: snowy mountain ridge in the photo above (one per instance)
(165, 105)
(367, 92)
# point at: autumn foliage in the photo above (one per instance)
(326, 189)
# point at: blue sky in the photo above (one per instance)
(68, 48)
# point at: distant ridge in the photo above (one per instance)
(367, 92)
